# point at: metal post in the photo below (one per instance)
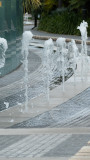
(35, 24)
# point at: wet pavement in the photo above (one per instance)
(74, 113)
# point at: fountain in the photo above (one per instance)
(48, 64)
(64, 59)
(26, 17)
(57, 64)
(27, 36)
(67, 57)
(3, 48)
(26, 20)
(83, 29)
(61, 52)
(73, 55)
(6, 104)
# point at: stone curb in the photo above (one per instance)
(36, 158)
(55, 38)
(30, 131)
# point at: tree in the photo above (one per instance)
(32, 5)
(82, 6)
(49, 5)
(28, 4)
(78, 4)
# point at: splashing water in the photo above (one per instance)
(48, 64)
(26, 17)
(3, 48)
(83, 29)
(27, 36)
(6, 104)
(12, 120)
(72, 57)
(58, 63)
(62, 52)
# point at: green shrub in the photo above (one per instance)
(88, 21)
(62, 23)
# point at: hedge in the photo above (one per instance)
(64, 23)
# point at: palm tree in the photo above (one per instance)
(29, 5)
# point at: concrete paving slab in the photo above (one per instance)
(41, 145)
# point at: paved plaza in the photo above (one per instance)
(42, 145)
(58, 129)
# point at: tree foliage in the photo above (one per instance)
(77, 4)
(50, 5)
(28, 4)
